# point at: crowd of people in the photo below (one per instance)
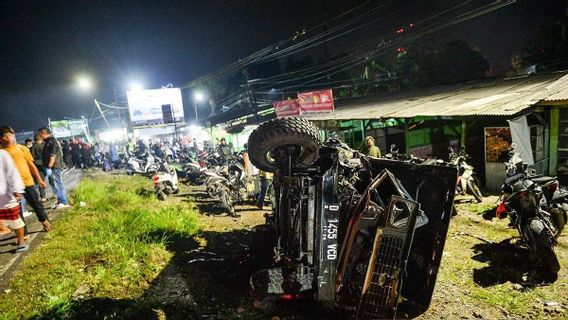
(24, 171)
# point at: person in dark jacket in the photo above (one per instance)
(66, 154)
(37, 152)
(52, 164)
(76, 153)
(225, 150)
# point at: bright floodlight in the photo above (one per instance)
(84, 83)
(198, 96)
(136, 86)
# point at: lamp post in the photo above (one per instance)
(197, 97)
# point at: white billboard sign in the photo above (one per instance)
(155, 107)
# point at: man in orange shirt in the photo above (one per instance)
(27, 169)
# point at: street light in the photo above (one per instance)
(197, 97)
(136, 86)
(84, 83)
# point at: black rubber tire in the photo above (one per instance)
(558, 217)
(282, 132)
(545, 246)
(474, 188)
(161, 196)
(176, 191)
(227, 202)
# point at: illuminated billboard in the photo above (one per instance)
(68, 128)
(155, 107)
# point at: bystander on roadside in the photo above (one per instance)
(52, 162)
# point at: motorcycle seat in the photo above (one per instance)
(513, 179)
(543, 179)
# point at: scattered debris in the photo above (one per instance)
(81, 291)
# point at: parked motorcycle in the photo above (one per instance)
(361, 233)
(394, 154)
(145, 165)
(467, 182)
(165, 181)
(521, 200)
(555, 196)
(229, 185)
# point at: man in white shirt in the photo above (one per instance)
(11, 190)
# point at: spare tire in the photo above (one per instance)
(279, 133)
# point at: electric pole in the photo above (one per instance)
(250, 92)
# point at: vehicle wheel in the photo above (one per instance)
(273, 136)
(161, 196)
(545, 246)
(558, 216)
(227, 202)
(176, 191)
(212, 190)
(474, 188)
(151, 170)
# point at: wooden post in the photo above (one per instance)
(463, 134)
(406, 137)
(554, 131)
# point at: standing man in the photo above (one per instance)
(265, 180)
(113, 150)
(37, 153)
(28, 171)
(66, 154)
(11, 189)
(75, 153)
(372, 149)
(52, 162)
(225, 150)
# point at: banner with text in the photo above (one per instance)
(316, 101)
(286, 108)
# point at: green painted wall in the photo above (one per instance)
(416, 137)
(554, 130)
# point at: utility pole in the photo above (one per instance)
(250, 92)
(116, 105)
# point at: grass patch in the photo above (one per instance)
(114, 246)
(482, 271)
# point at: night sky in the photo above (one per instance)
(45, 44)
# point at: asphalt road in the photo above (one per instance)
(9, 260)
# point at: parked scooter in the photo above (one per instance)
(521, 200)
(467, 182)
(165, 181)
(145, 165)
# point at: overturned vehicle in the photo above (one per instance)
(363, 234)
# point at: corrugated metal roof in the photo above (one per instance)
(497, 97)
(557, 91)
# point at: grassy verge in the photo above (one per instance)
(484, 269)
(112, 247)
